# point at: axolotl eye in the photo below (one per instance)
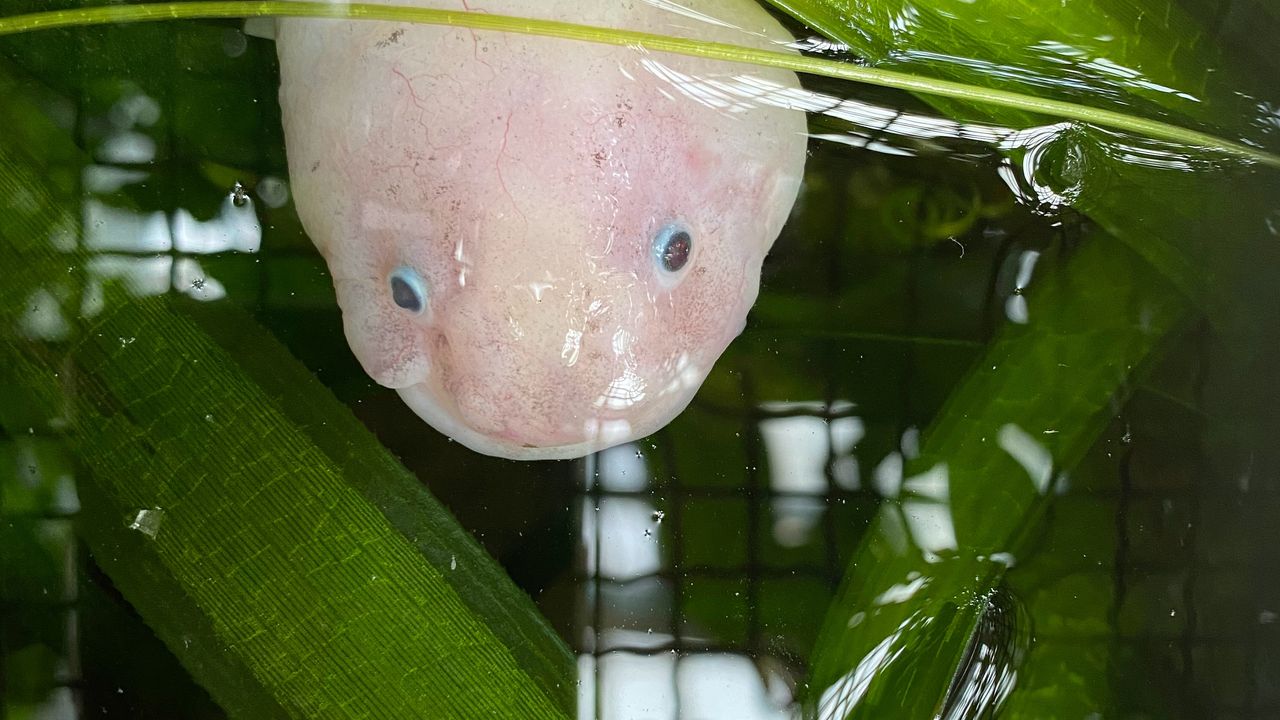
(672, 247)
(408, 289)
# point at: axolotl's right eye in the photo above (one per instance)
(408, 289)
(672, 247)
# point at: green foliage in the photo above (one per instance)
(1026, 412)
(280, 552)
(1143, 58)
(1097, 314)
(1001, 99)
(1043, 391)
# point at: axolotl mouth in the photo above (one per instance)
(542, 246)
(546, 433)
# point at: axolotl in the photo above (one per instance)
(542, 245)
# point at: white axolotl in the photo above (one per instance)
(542, 245)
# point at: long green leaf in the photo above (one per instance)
(1138, 57)
(720, 51)
(1142, 58)
(283, 555)
(1030, 409)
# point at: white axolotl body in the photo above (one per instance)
(542, 245)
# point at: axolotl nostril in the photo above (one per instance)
(543, 246)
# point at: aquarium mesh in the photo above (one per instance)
(1188, 629)
(694, 567)
(650, 640)
(40, 573)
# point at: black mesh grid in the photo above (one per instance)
(1191, 542)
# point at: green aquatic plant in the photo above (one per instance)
(1138, 58)
(339, 583)
(970, 93)
(1107, 310)
(1164, 245)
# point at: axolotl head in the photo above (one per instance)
(551, 269)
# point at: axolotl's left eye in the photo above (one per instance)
(672, 247)
(408, 289)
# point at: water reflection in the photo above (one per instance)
(839, 699)
(1030, 454)
(668, 685)
(644, 654)
(628, 545)
(656, 598)
(665, 626)
(983, 679)
(989, 670)
(147, 253)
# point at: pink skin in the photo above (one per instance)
(524, 179)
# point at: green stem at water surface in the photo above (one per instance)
(683, 46)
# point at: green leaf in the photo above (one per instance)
(1138, 57)
(1031, 407)
(719, 51)
(986, 469)
(1144, 59)
(281, 553)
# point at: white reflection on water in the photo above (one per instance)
(113, 229)
(678, 9)
(1045, 181)
(838, 700)
(135, 108)
(234, 229)
(795, 520)
(923, 514)
(666, 686)
(141, 276)
(1030, 454)
(886, 478)
(933, 484)
(1078, 69)
(43, 318)
(110, 228)
(191, 279)
(802, 448)
(723, 685)
(621, 468)
(127, 147)
(1132, 78)
(60, 704)
(147, 252)
(625, 545)
(846, 433)
(927, 510)
(931, 526)
(619, 534)
(636, 686)
(630, 667)
(903, 591)
(798, 447)
(106, 179)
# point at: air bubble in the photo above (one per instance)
(146, 521)
(239, 195)
(1047, 167)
